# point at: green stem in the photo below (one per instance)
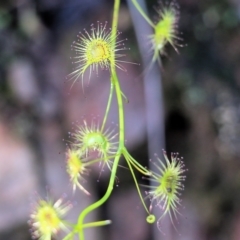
(115, 82)
(69, 236)
(115, 163)
(120, 109)
(136, 183)
(115, 23)
(98, 160)
(135, 163)
(108, 106)
(97, 224)
(138, 7)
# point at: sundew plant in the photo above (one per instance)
(99, 48)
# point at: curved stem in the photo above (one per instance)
(138, 7)
(100, 201)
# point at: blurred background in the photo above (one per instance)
(39, 111)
